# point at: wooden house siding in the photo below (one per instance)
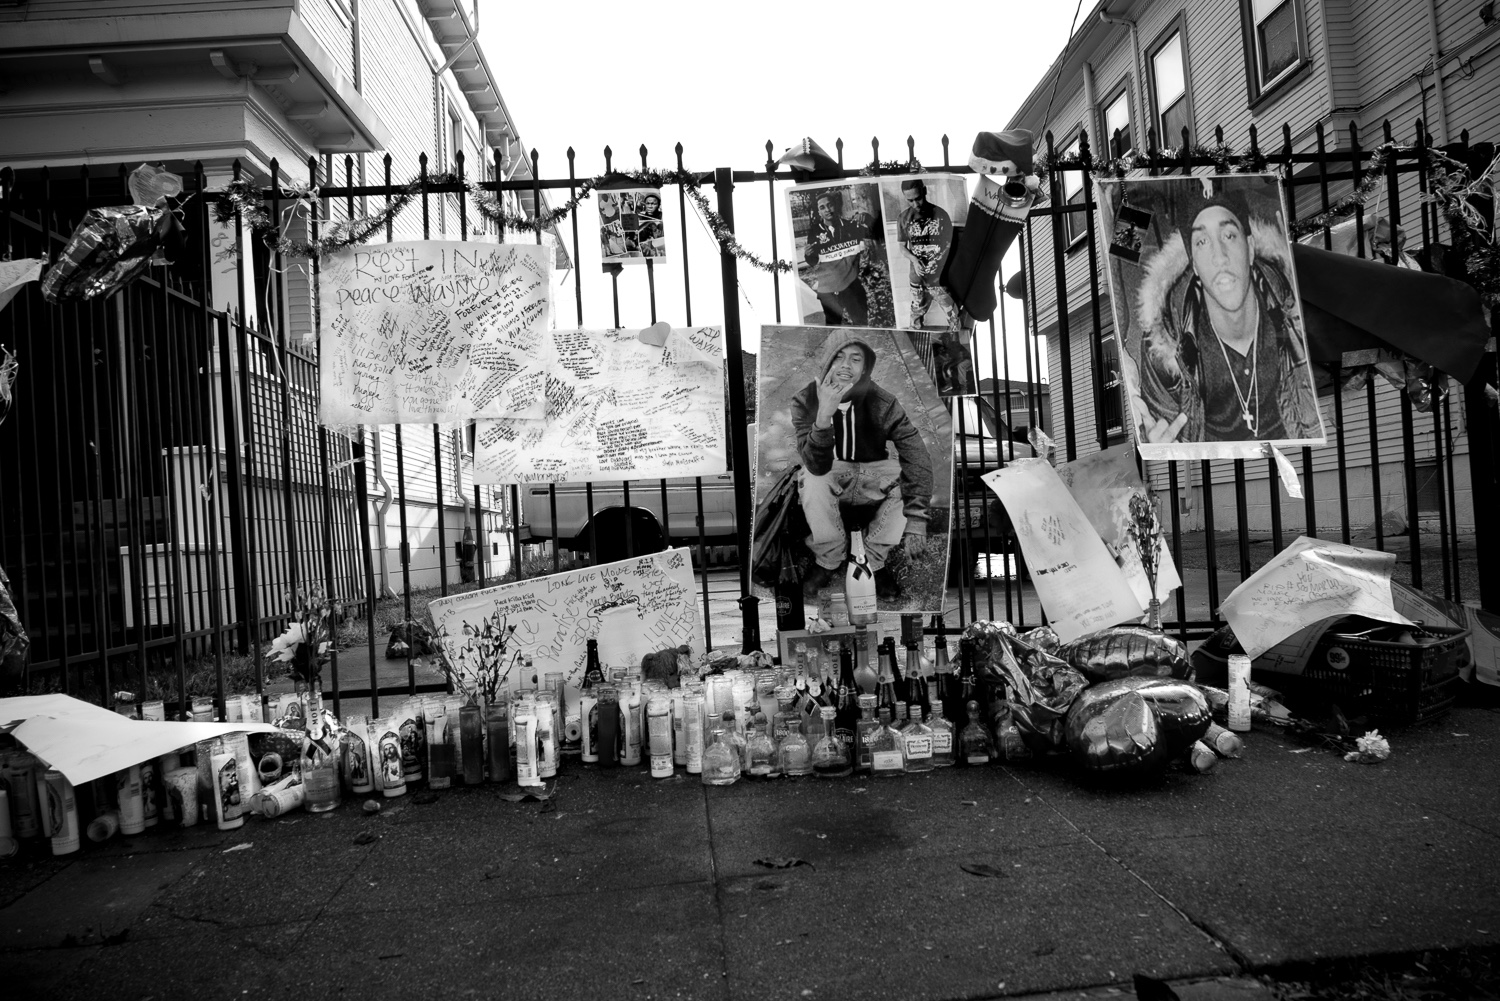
(1392, 44)
(38, 10)
(331, 25)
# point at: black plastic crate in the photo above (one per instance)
(1397, 682)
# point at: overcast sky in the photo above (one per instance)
(723, 84)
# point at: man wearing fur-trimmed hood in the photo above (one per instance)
(843, 421)
(1222, 356)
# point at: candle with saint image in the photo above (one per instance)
(59, 811)
(229, 807)
(182, 789)
(131, 803)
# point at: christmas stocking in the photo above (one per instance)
(1007, 190)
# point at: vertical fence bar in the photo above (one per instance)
(1060, 297)
(738, 443)
(687, 305)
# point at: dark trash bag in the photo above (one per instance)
(779, 526)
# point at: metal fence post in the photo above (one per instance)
(739, 444)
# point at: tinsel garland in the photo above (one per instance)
(1452, 189)
(874, 168)
(244, 197)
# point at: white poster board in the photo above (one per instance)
(433, 331)
(633, 607)
(617, 408)
(1076, 578)
(1306, 582)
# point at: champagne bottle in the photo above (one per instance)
(790, 613)
(848, 706)
(859, 583)
(593, 673)
(866, 677)
(886, 697)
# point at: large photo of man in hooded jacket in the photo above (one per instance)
(851, 418)
(1214, 353)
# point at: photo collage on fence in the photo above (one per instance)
(630, 225)
(1214, 354)
(873, 253)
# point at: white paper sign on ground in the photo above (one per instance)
(86, 742)
(1103, 484)
(633, 607)
(1306, 582)
(1077, 581)
(617, 408)
(433, 331)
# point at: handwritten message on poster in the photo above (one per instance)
(617, 408)
(1076, 578)
(1103, 484)
(632, 608)
(432, 331)
(1306, 582)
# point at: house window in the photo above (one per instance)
(1275, 43)
(1074, 223)
(1169, 89)
(455, 142)
(1117, 124)
(1429, 487)
(1111, 394)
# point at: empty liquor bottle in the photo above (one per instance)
(795, 754)
(848, 697)
(760, 752)
(918, 737)
(887, 753)
(721, 759)
(942, 672)
(859, 583)
(864, 729)
(942, 733)
(830, 755)
(975, 745)
(866, 675)
(790, 612)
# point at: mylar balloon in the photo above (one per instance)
(1134, 724)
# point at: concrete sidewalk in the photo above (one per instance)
(626, 887)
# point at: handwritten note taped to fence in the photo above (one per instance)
(1076, 578)
(431, 331)
(1307, 582)
(617, 408)
(632, 608)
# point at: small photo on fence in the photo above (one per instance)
(630, 225)
(1213, 347)
(838, 236)
(923, 217)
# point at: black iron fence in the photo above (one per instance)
(169, 487)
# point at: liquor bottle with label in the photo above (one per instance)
(593, 672)
(916, 683)
(975, 746)
(942, 733)
(790, 612)
(887, 751)
(864, 729)
(830, 755)
(866, 676)
(859, 584)
(848, 704)
(886, 697)
(918, 737)
(947, 681)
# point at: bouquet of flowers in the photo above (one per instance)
(1145, 529)
(309, 635)
(483, 660)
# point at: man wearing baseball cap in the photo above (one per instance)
(1223, 357)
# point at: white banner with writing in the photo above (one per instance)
(433, 331)
(617, 408)
(1076, 578)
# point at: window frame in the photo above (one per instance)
(1177, 27)
(1121, 91)
(1256, 88)
(1073, 146)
